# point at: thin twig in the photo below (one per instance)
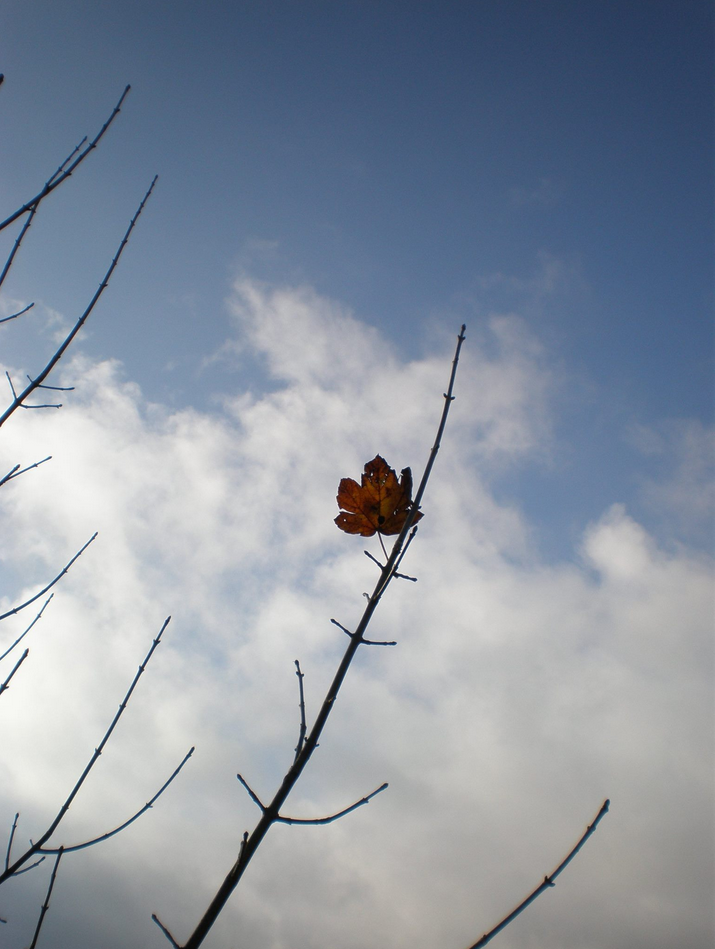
(33, 211)
(253, 796)
(10, 840)
(270, 813)
(46, 904)
(21, 637)
(16, 609)
(38, 845)
(547, 882)
(15, 473)
(19, 399)
(329, 820)
(55, 182)
(166, 932)
(303, 726)
(6, 319)
(111, 833)
(6, 684)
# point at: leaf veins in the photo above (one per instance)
(379, 504)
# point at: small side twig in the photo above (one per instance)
(21, 637)
(56, 179)
(46, 904)
(10, 840)
(59, 352)
(303, 726)
(111, 833)
(17, 471)
(6, 684)
(547, 882)
(166, 932)
(16, 609)
(329, 820)
(253, 796)
(6, 319)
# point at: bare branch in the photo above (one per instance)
(15, 473)
(6, 684)
(166, 932)
(46, 904)
(111, 833)
(37, 847)
(329, 820)
(33, 211)
(270, 814)
(303, 726)
(6, 319)
(254, 797)
(16, 609)
(35, 383)
(56, 180)
(21, 637)
(547, 882)
(10, 840)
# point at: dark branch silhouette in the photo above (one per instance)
(18, 400)
(548, 881)
(46, 904)
(16, 609)
(56, 180)
(17, 471)
(270, 814)
(13, 868)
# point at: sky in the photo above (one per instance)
(341, 186)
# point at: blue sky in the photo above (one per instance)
(341, 185)
(424, 165)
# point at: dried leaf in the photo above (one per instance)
(380, 504)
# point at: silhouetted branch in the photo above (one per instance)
(21, 637)
(270, 814)
(46, 904)
(547, 883)
(54, 405)
(6, 684)
(111, 833)
(166, 932)
(303, 726)
(253, 796)
(15, 473)
(6, 319)
(35, 383)
(37, 847)
(31, 215)
(329, 820)
(10, 840)
(55, 182)
(16, 609)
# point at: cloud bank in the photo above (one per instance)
(521, 694)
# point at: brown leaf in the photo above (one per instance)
(380, 504)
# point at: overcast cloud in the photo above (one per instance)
(522, 692)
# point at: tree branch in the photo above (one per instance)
(329, 820)
(303, 726)
(46, 904)
(547, 882)
(6, 684)
(17, 471)
(6, 319)
(56, 180)
(270, 813)
(16, 609)
(37, 847)
(111, 833)
(35, 383)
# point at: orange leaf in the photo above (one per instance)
(381, 503)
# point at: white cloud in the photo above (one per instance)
(520, 695)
